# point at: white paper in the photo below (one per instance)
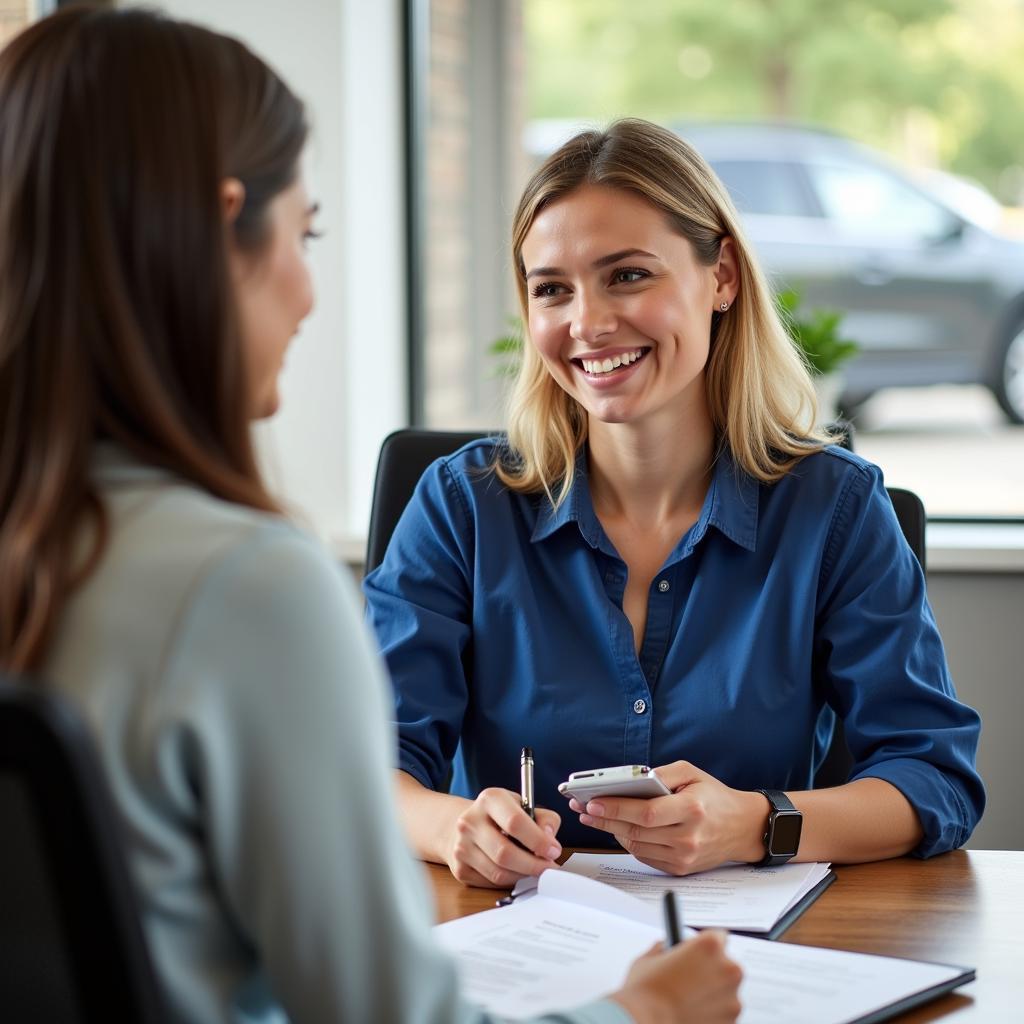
(787, 984)
(738, 897)
(542, 953)
(546, 953)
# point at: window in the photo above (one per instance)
(503, 82)
(867, 201)
(764, 187)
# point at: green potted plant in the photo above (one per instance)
(508, 348)
(825, 350)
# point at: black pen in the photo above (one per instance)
(526, 782)
(673, 926)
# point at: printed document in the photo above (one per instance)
(738, 897)
(573, 939)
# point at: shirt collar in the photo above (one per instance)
(730, 506)
(577, 508)
(113, 465)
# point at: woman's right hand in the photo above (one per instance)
(481, 851)
(693, 983)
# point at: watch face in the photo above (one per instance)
(786, 832)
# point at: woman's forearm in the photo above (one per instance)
(428, 818)
(869, 819)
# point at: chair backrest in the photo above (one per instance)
(72, 949)
(910, 515)
(404, 455)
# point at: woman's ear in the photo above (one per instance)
(232, 198)
(727, 274)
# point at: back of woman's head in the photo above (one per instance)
(759, 395)
(117, 316)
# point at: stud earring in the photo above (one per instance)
(724, 306)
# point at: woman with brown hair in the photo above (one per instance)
(152, 274)
(665, 564)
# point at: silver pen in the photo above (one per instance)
(526, 782)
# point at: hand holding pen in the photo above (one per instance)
(683, 981)
(503, 836)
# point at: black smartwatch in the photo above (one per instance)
(782, 837)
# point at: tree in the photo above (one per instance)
(872, 69)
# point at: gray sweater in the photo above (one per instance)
(241, 713)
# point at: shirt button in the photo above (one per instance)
(663, 586)
(639, 706)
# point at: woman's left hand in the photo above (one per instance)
(699, 825)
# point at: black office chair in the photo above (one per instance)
(911, 516)
(72, 949)
(405, 454)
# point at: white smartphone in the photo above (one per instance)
(632, 780)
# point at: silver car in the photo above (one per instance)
(932, 294)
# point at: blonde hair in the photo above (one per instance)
(759, 390)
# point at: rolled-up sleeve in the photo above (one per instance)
(419, 603)
(880, 659)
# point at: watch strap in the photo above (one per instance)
(778, 799)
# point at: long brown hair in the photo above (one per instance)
(117, 316)
(759, 392)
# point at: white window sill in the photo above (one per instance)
(975, 547)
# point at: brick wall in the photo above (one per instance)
(446, 260)
(467, 208)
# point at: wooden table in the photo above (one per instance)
(965, 908)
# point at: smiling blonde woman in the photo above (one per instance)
(662, 564)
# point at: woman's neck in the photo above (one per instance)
(652, 472)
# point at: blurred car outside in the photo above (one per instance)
(930, 282)
(971, 199)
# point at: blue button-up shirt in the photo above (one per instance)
(502, 624)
